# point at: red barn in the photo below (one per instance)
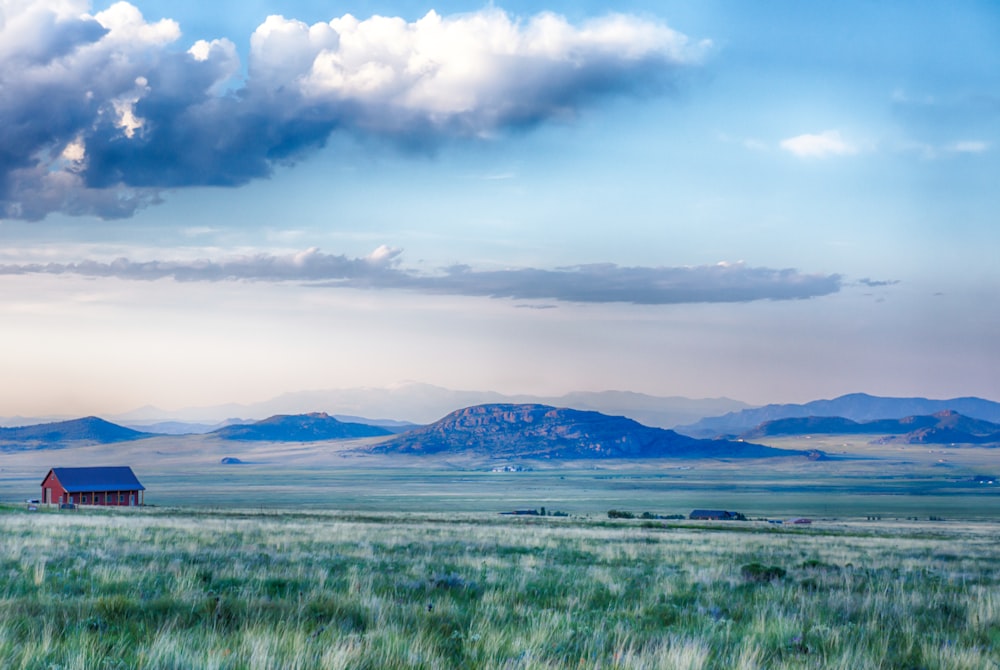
(114, 486)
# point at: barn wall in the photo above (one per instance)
(118, 498)
(59, 495)
(52, 484)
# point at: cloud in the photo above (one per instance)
(606, 282)
(104, 111)
(932, 124)
(384, 255)
(750, 143)
(875, 283)
(969, 147)
(593, 283)
(946, 150)
(305, 266)
(827, 143)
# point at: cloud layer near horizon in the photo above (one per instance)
(592, 283)
(103, 111)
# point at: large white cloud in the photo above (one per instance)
(104, 110)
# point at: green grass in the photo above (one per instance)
(189, 588)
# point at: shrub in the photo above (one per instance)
(620, 514)
(756, 572)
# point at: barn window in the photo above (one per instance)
(107, 498)
(121, 497)
(84, 499)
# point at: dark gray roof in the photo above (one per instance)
(98, 479)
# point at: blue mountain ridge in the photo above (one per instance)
(946, 427)
(90, 429)
(312, 427)
(854, 406)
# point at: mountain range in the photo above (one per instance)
(945, 427)
(412, 403)
(855, 407)
(506, 430)
(539, 430)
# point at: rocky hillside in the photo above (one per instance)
(946, 427)
(312, 427)
(89, 429)
(541, 431)
(855, 406)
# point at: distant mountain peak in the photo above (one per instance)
(312, 427)
(87, 429)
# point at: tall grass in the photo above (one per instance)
(180, 589)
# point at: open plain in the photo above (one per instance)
(315, 556)
(856, 479)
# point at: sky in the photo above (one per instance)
(772, 202)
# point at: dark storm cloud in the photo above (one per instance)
(103, 112)
(596, 283)
(603, 283)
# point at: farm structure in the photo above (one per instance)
(108, 486)
(714, 515)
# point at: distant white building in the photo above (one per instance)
(509, 468)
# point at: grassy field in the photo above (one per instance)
(756, 493)
(181, 588)
(310, 556)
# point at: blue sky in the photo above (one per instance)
(773, 202)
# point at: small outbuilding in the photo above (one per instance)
(106, 486)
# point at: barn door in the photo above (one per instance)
(131, 500)
(48, 496)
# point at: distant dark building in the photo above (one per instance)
(714, 515)
(111, 486)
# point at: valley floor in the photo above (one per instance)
(857, 480)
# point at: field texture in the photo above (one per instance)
(230, 589)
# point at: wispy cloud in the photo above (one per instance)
(592, 283)
(875, 283)
(941, 127)
(945, 150)
(969, 146)
(751, 143)
(820, 145)
(102, 111)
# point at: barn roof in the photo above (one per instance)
(710, 513)
(97, 479)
